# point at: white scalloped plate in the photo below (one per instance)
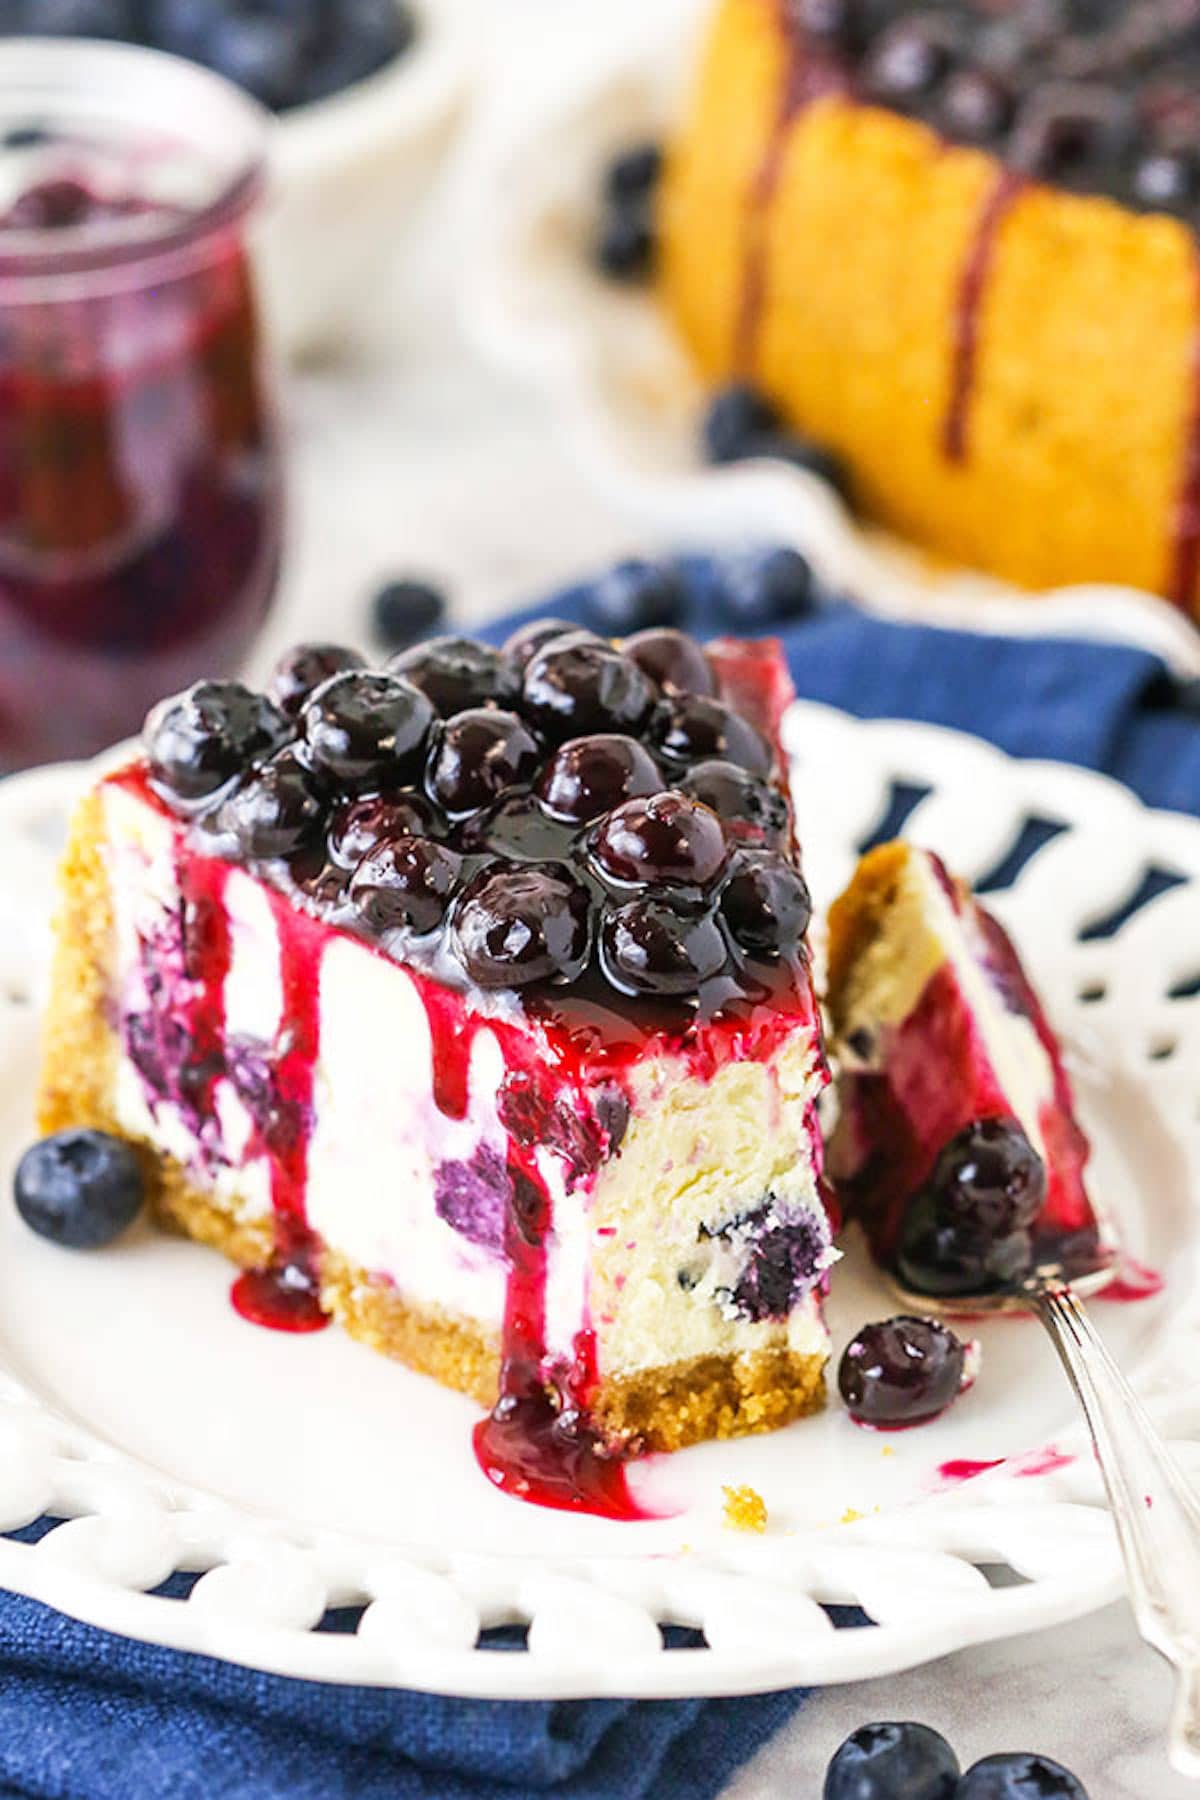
(630, 403)
(301, 1474)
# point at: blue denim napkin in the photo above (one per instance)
(85, 1716)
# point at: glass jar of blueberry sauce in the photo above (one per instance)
(140, 480)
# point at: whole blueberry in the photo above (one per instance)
(180, 26)
(363, 728)
(738, 417)
(79, 1188)
(625, 242)
(690, 728)
(672, 659)
(405, 881)
(198, 740)
(303, 668)
(588, 776)
(515, 926)
(662, 838)
(766, 903)
(751, 809)
(906, 62)
(361, 37)
(901, 1372)
(479, 755)
(359, 822)
(83, 18)
(767, 587)
(403, 612)
(1166, 181)
(576, 686)
(893, 1762)
(977, 105)
(658, 945)
(989, 1178)
(259, 52)
(275, 812)
(457, 673)
(1019, 1777)
(633, 595)
(634, 173)
(952, 1261)
(521, 644)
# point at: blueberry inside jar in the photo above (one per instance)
(140, 490)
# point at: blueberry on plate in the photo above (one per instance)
(738, 418)
(79, 1188)
(901, 1372)
(1019, 1777)
(767, 587)
(404, 611)
(633, 596)
(893, 1762)
(198, 740)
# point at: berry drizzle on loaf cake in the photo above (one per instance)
(956, 243)
(957, 1146)
(469, 1002)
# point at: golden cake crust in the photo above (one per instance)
(1084, 394)
(662, 1409)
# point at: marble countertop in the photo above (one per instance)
(411, 457)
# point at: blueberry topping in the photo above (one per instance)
(989, 1178)
(634, 595)
(588, 776)
(402, 612)
(363, 728)
(518, 925)
(633, 174)
(457, 674)
(478, 756)
(79, 1188)
(575, 686)
(893, 1762)
(1019, 1777)
(304, 668)
(766, 903)
(901, 1372)
(359, 823)
(200, 739)
(655, 945)
(694, 728)
(404, 881)
(663, 838)
(276, 812)
(949, 1261)
(526, 639)
(750, 809)
(674, 661)
(738, 418)
(765, 588)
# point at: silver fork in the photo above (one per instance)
(1157, 1515)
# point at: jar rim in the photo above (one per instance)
(141, 89)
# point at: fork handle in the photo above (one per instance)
(1157, 1516)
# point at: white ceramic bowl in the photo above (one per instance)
(348, 172)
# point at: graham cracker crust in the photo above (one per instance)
(658, 1409)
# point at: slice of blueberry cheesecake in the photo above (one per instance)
(468, 1002)
(956, 1145)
